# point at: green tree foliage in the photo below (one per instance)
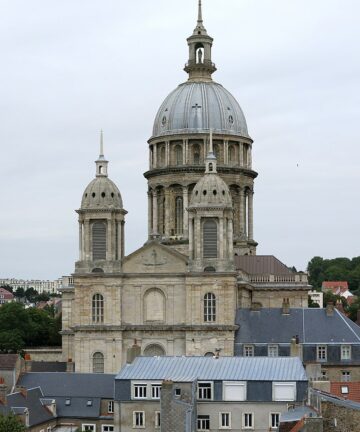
(337, 269)
(20, 292)
(11, 423)
(20, 327)
(311, 303)
(31, 294)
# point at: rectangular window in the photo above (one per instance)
(155, 391)
(107, 428)
(205, 390)
(88, 428)
(111, 407)
(140, 391)
(248, 350)
(345, 352)
(274, 420)
(284, 391)
(157, 419)
(203, 423)
(248, 421)
(344, 389)
(225, 420)
(234, 390)
(273, 351)
(324, 374)
(139, 419)
(345, 376)
(321, 352)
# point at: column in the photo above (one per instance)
(167, 153)
(122, 241)
(197, 238)
(109, 248)
(250, 156)
(221, 238)
(230, 239)
(186, 145)
(186, 214)
(184, 152)
(150, 153)
(154, 155)
(241, 154)
(80, 242)
(87, 241)
(191, 237)
(242, 212)
(167, 211)
(155, 213)
(205, 148)
(149, 214)
(226, 152)
(250, 215)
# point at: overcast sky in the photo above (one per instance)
(72, 67)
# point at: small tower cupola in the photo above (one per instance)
(199, 66)
(101, 162)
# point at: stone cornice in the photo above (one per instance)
(190, 135)
(198, 169)
(154, 327)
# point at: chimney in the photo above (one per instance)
(70, 365)
(3, 391)
(295, 347)
(330, 309)
(28, 363)
(133, 352)
(22, 390)
(217, 352)
(339, 306)
(286, 306)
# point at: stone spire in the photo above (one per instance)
(200, 66)
(210, 161)
(101, 162)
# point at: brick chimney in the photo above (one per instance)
(330, 309)
(28, 363)
(3, 391)
(286, 306)
(133, 352)
(295, 347)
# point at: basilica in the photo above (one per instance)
(179, 293)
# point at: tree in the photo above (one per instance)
(312, 303)
(20, 292)
(31, 294)
(316, 272)
(10, 423)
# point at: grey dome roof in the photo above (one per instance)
(211, 190)
(101, 193)
(217, 109)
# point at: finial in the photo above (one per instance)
(210, 161)
(200, 20)
(101, 143)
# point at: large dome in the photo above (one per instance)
(198, 106)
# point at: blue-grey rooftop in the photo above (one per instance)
(312, 325)
(186, 369)
(85, 385)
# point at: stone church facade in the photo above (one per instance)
(178, 294)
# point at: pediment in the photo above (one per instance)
(154, 257)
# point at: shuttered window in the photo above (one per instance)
(99, 241)
(210, 239)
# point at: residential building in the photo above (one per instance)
(11, 365)
(5, 296)
(340, 288)
(317, 297)
(207, 393)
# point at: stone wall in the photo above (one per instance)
(339, 418)
(45, 354)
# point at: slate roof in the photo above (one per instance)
(312, 325)
(187, 369)
(38, 413)
(55, 384)
(297, 414)
(261, 264)
(47, 366)
(8, 361)
(78, 407)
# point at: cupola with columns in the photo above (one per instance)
(179, 146)
(101, 223)
(211, 221)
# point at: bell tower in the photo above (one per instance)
(101, 223)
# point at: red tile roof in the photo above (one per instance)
(334, 285)
(7, 295)
(353, 390)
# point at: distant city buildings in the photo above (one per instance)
(52, 287)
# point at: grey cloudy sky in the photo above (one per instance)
(72, 67)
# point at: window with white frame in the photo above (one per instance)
(274, 420)
(345, 352)
(284, 391)
(248, 350)
(345, 376)
(139, 419)
(224, 420)
(140, 391)
(344, 389)
(204, 390)
(234, 390)
(203, 423)
(321, 352)
(111, 407)
(248, 421)
(157, 419)
(155, 391)
(88, 427)
(209, 307)
(273, 351)
(107, 428)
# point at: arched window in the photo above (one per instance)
(210, 239)
(196, 154)
(199, 48)
(179, 215)
(98, 362)
(231, 155)
(246, 154)
(216, 151)
(154, 350)
(99, 241)
(209, 307)
(178, 155)
(97, 308)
